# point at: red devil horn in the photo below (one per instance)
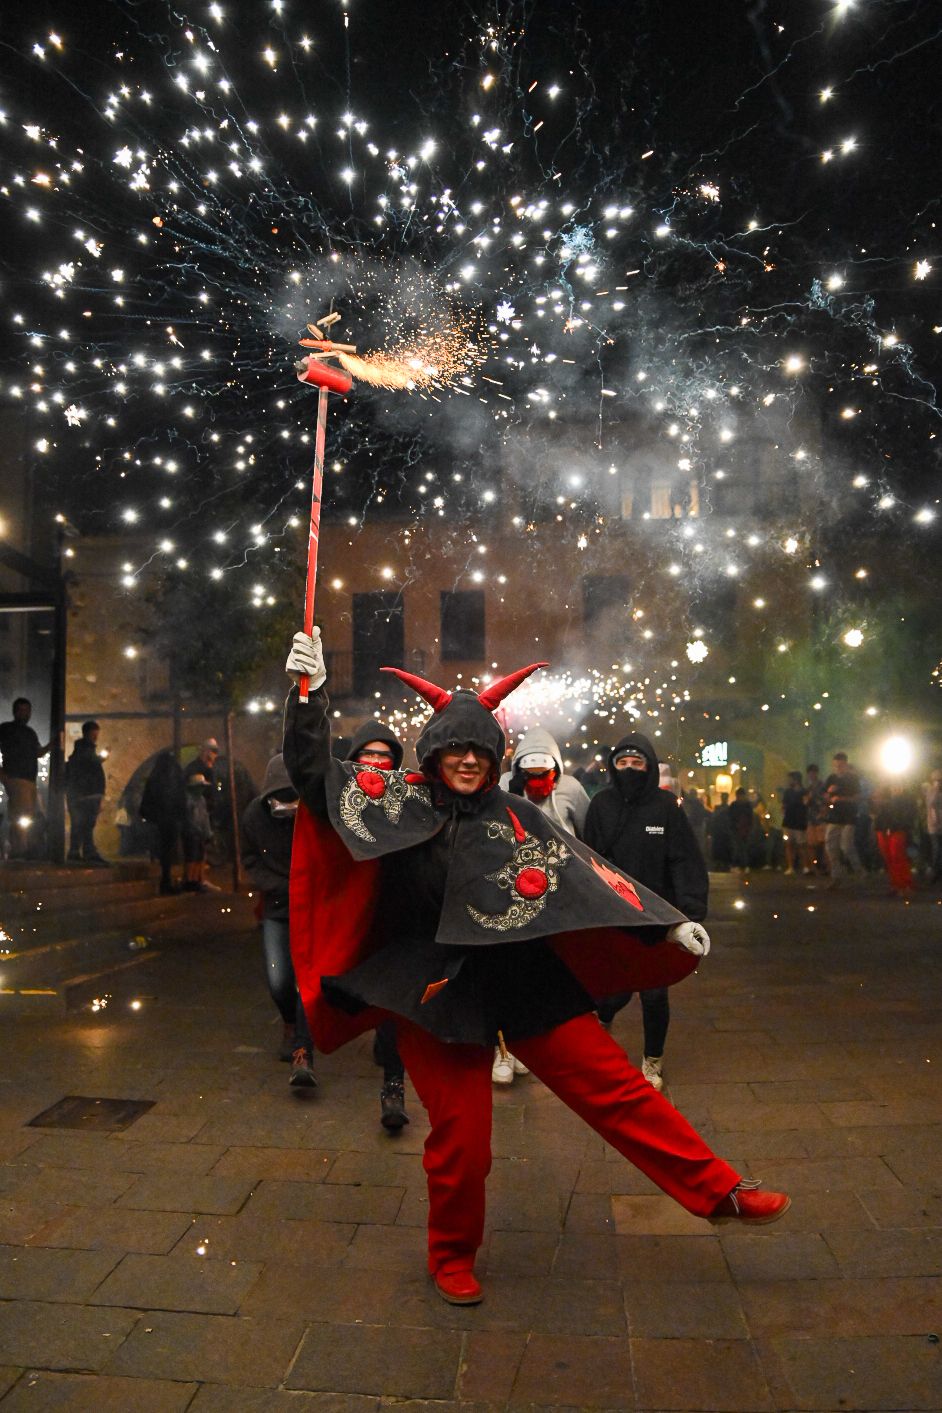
(435, 696)
(493, 695)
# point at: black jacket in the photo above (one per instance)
(266, 842)
(648, 836)
(164, 799)
(84, 772)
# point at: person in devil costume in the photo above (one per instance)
(460, 911)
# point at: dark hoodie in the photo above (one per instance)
(640, 827)
(267, 834)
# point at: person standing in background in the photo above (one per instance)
(795, 824)
(163, 805)
(895, 821)
(932, 795)
(842, 789)
(199, 779)
(21, 753)
(85, 790)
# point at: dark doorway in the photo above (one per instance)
(378, 637)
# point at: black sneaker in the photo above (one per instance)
(392, 1099)
(302, 1070)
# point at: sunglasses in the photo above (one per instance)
(462, 748)
(374, 755)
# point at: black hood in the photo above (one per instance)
(635, 742)
(464, 719)
(375, 731)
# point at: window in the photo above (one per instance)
(604, 596)
(462, 625)
(378, 637)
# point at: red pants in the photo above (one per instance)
(581, 1063)
(893, 847)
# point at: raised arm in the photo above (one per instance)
(307, 725)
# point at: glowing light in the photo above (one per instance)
(697, 650)
(853, 637)
(897, 755)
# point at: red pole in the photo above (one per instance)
(317, 488)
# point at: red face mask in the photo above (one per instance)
(540, 787)
(375, 762)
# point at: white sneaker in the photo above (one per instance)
(503, 1068)
(519, 1066)
(651, 1069)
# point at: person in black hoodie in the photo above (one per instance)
(85, 790)
(376, 747)
(641, 828)
(163, 805)
(267, 836)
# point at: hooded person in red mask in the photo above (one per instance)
(375, 747)
(460, 911)
(536, 773)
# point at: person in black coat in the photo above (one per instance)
(267, 838)
(85, 790)
(642, 828)
(163, 805)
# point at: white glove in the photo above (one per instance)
(306, 659)
(693, 936)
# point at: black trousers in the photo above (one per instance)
(655, 1015)
(386, 1051)
(83, 815)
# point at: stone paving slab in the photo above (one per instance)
(587, 1371)
(721, 1375)
(61, 1336)
(901, 1372)
(178, 1283)
(404, 1363)
(216, 1398)
(34, 1273)
(187, 1193)
(43, 1392)
(802, 1309)
(213, 1348)
(99, 1228)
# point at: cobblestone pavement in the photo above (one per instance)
(242, 1249)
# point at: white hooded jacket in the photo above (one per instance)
(568, 803)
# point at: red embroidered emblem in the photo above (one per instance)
(432, 990)
(415, 777)
(619, 885)
(531, 883)
(372, 783)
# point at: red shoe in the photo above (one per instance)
(458, 1287)
(746, 1204)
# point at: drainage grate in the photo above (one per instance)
(92, 1115)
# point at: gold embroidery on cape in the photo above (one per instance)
(354, 802)
(548, 857)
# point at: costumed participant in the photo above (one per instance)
(536, 772)
(459, 910)
(375, 747)
(267, 833)
(639, 825)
